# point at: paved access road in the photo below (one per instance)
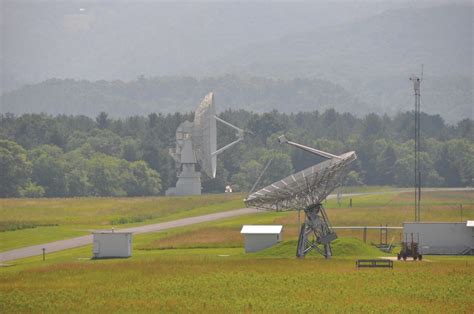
(85, 240)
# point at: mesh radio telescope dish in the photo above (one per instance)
(307, 190)
(196, 143)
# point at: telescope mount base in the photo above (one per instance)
(316, 232)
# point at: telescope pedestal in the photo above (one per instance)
(316, 232)
(189, 182)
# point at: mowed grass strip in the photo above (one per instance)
(213, 284)
(367, 210)
(79, 216)
(107, 211)
(394, 209)
(201, 238)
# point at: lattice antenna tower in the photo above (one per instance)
(417, 136)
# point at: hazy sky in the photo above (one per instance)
(103, 39)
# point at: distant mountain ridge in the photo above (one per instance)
(449, 97)
(373, 58)
(175, 94)
(358, 63)
(393, 42)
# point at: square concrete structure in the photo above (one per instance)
(112, 244)
(259, 237)
(444, 238)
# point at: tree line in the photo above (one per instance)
(59, 156)
(169, 94)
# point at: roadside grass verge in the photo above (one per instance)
(79, 216)
(87, 214)
(371, 210)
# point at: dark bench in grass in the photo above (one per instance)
(384, 263)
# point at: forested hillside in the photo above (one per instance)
(366, 50)
(372, 58)
(171, 94)
(43, 155)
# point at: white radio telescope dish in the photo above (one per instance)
(205, 135)
(196, 143)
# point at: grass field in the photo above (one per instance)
(226, 280)
(203, 268)
(36, 221)
(370, 210)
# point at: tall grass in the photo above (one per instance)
(231, 284)
(221, 278)
(56, 219)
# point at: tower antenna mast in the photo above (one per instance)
(416, 86)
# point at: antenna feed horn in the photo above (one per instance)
(282, 139)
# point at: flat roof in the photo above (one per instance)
(434, 222)
(261, 229)
(111, 232)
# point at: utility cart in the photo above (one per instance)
(410, 247)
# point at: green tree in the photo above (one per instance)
(373, 127)
(32, 190)
(141, 180)
(15, 169)
(131, 150)
(279, 167)
(353, 179)
(385, 165)
(404, 175)
(104, 176)
(102, 120)
(106, 142)
(49, 170)
(247, 175)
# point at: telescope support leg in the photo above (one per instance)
(315, 233)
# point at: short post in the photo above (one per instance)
(460, 208)
(44, 254)
(365, 234)
(380, 235)
(350, 203)
(386, 233)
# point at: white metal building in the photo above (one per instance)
(448, 238)
(259, 237)
(112, 244)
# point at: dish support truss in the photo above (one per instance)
(306, 190)
(315, 233)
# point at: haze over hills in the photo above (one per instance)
(373, 58)
(171, 94)
(121, 40)
(367, 49)
(391, 43)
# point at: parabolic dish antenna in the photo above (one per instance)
(205, 135)
(307, 190)
(196, 143)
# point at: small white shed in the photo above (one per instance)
(112, 244)
(259, 237)
(450, 238)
